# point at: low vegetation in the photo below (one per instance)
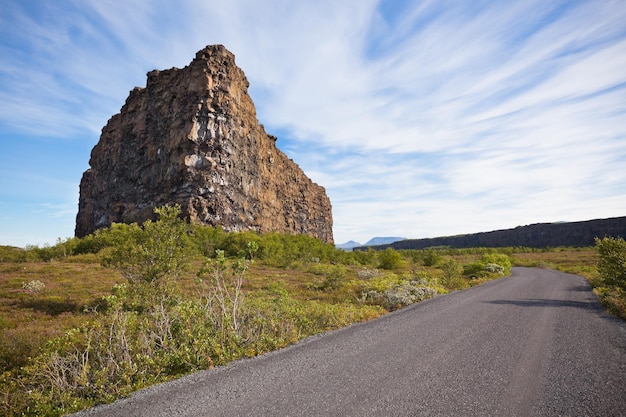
(90, 320)
(610, 280)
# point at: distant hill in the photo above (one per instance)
(540, 235)
(383, 240)
(372, 242)
(348, 245)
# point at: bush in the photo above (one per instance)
(451, 278)
(334, 276)
(13, 254)
(236, 243)
(399, 295)
(363, 257)
(208, 239)
(432, 258)
(474, 270)
(612, 261)
(94, 243)
(148, 253)
(500, 259)
(83, 258)
(488, 263)
(389, 259)
(291, 251)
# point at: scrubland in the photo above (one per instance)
(90, 320)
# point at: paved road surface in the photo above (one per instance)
(533, 344)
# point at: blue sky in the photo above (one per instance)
(420, 118)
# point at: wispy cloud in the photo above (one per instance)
(419, 118)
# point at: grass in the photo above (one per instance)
(558, 258)
(74, 288)
(29, 320)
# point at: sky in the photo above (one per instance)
(420, 118)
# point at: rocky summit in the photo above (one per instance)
(191, 137)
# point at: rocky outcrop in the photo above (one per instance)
(191, 137)
(540, 235)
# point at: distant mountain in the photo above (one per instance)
(348, 245)
(383, 240)
(372, 242)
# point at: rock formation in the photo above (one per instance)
(191, 137)
(539, 235)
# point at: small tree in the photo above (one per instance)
(147, 254)
(612, 260)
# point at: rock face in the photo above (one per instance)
(191, 137)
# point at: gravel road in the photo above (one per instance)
(536, 343)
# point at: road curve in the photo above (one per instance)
(536, 343)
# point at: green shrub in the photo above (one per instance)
(94, 243)
(13, 254)
(500, 259)
(612, 261)
(432, 257)
(207, 239)
(488, 263)
(334, 276)
(282, 250)
(474, 269)
(235, 244)
(381, 283)
(451, 278)
(83, 258)
(366, 257)
(158, 249)
(389, 259)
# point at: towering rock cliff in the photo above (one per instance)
(191, 137)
